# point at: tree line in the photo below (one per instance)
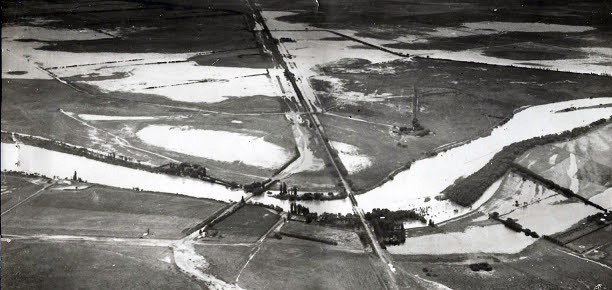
(466, 191)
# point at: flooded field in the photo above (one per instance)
(583, 164)
(29, 159)
(184, 81)
(351, 157)
(552, 215)
(429, 177)
(90, 117)
(477, 239)
(573, 48)
(217, 145)
(386, 104)
(515, 192)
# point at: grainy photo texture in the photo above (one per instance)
(310, 144)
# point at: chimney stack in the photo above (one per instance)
(415, 104)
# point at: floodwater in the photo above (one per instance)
(351, 158)
(188, 81)
(487, 239)
(429, 177)
(52, 163)
(216, 145)
(168, 75)
(90, 117)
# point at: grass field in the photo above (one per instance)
(344, 238)
(542, 266)
(105, 211)
(461, 99)
(453, 105)
(16, 189)
(225, 262)
(502, 32)
(28, 108)
(595, 244)
(126, 38)
(79, 265)
(248, 224)
(299, 264)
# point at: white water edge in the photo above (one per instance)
(429, 177)
(594, 61)
(30, 159)
(407, 190)
(222, 146)
(91, 117)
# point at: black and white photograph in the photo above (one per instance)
(306, 144)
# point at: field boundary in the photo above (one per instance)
(309, 238)
(552, 185)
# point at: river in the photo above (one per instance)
(407, 190)
(429, 177)
(52, 163)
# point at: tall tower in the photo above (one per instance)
(415, 104)
(416, 126)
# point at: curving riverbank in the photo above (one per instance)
(413, 188)
(427, 178)
(31, 159)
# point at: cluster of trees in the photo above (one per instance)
(348, 221)
(338, 220)
(398, 215)
(513, 225)
(313, 196)
(531, 233)
(256, 187)
(466, 191)
(291, 193)
(76, 178)
(273, 207)
(484, 266)
(389, 232)
(389, 225)
(113, 156)
(298, 209)
(286, 39)
(283, 189)
(600, 218)
(429, 273)
(184, 169)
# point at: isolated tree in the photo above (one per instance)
(74, 177)
(494, 215)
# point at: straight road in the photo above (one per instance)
(28, 198)
(270, 44)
